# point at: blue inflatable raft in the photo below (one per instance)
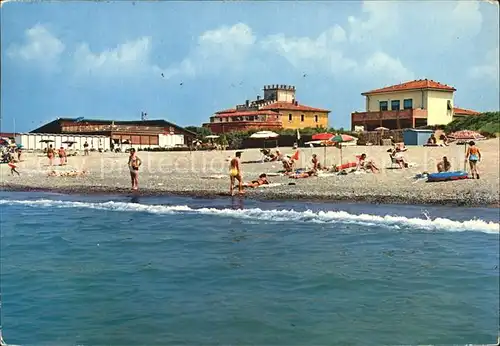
(446, 176)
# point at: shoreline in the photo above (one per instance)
(483, 202)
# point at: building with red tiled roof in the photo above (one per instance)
(278, 109)
(462, 112)
(408, 105)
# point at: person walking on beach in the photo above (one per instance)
(13, 167)
(50, 155)
(474, 156)
(235, 173)
(133, 164)
(62, 156)
(86, 148)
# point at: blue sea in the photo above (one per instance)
(123, 270)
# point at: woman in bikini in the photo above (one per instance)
(50, 155)
(256, 183)
(474, 156)
(133, 164)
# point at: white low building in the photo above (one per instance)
(35, 141)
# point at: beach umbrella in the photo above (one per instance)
(381, 128)
(265, 135)
(339, 139)
(466, 134)
(322, 136)
(212, 137)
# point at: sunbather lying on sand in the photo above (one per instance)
(67, 174)
(364, 164)
(262, 180)
(302, 175)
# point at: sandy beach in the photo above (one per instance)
(195, 174)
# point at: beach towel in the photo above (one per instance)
(322, 175)
(270, 185)
(215, 176)
(274, 174)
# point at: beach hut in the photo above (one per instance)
(416, 137)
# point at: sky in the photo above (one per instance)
(183, 61)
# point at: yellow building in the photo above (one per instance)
(279, 109)
(407, 105)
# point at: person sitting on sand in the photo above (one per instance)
(235, 173)
(316, 164)
(262, 180)
(443, 139)
(288, 165)
(365, 164)
(444, 166)
(399, 159)
(432, 140)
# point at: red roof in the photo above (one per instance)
(412, 85)
(222, 114)
(464, 111)
(231, 110)
(292, 107)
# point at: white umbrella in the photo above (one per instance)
(381, 128)
(264, 135)
(212, 137)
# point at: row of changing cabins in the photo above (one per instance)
(38, 141)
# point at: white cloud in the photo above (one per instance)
(325, 50)
(386, 68)
(127, 59)
(489, 70)
(383, 18)
(40, 46)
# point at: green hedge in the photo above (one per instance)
(487, 123)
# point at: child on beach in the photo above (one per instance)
(474, 156)
(13, 167)
(133, 164)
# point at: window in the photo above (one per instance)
(395, 106)
(290, 117)
(383, 105)
(315, 118)
(302, 117)
(408, 104)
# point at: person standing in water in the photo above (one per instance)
(133, 164)
(474, 156)
(235, 173)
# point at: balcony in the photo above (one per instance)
(405, 114)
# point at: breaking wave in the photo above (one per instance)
(438, 224)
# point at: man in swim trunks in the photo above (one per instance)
(133, 164)
(474, 156)
(444, 166)
(235, 173)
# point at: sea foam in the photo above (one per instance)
(437, 224)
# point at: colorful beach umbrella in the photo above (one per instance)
(322, 136)
(342, 139)
(466, 134)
